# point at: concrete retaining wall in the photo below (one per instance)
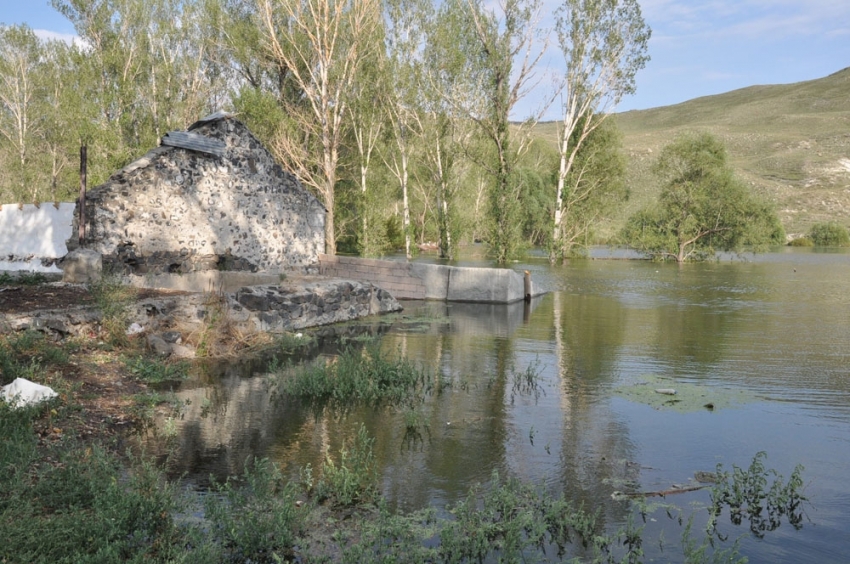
(419, 281)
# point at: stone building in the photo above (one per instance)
(211, 198)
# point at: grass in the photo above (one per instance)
(22, 279)
(359, 376)
(155, 371)
(786, 141)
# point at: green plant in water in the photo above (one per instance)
(750, 495)
(357, 377)
(527, 382)
(354, 479)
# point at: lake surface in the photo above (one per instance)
(765, 341)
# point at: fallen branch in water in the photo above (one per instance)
(661, 493)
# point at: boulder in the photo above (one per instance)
(82, 266)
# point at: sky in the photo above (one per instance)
(698, 47)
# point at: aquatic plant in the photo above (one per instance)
(353, 479)
(751, 495)
(359, 376)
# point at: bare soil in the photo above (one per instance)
(26, 298)
(95, 378)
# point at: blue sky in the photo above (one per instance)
(698, 47)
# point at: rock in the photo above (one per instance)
(158, 345)
(182, 351)
(172, 337)
(82, 266)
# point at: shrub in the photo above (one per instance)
(801, 242)
(831, 234)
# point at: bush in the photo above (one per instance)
(801, 242)
(831, 234)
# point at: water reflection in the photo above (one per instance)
(776, 325)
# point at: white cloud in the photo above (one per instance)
(47, 35)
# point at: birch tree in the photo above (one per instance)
(509, 49)
(321, 44)
(604, 44)
(20, 54)
(405, 36)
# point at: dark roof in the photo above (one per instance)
(194, 142)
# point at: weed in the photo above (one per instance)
(26, 354)
(113, 298)
(354, 479)
(156, 371)
(527, 382)
(416, 426)
(746, 494)
(360, 376)
(290, 343)
(255, 518)
(219, 335)
(22, 279)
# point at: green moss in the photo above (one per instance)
(688, 397)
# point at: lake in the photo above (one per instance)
(756, 349)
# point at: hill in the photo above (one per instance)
(790, 142)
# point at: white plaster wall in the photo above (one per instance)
(31, 233)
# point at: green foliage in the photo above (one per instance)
(830, 234)
(113, 297)
(353, 479)
(155, 370)
(22, 279)
(801, 242)
(593, 188)
(702, 207)
(750, 496)
(360, 376)
(255, 518)
(81, 509)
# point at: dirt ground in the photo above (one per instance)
(26, 298)
(94, 378)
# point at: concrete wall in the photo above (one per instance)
(419, 281)
(33, 237)
(179, 210)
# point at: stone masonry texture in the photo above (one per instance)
(180, 210)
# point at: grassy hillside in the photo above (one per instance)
(790, 142)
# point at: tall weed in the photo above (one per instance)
(255, 518)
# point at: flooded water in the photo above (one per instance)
(772, 333)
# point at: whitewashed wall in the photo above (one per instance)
(32, 238)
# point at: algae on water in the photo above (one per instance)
(688, 397)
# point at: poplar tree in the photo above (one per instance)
(604, 45)
(321, 44)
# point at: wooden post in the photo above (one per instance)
(83, 163)
(527, 286)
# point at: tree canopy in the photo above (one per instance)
(702, 207)
(403, 116)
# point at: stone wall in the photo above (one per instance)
(420, 281)
(181, 210)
